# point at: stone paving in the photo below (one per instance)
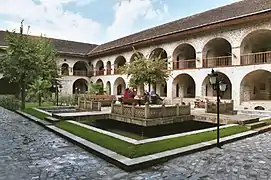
(28, 151)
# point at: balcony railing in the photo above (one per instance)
(82, 73)
(100, 72)
(184, 64)
(217, 62)
(256, 58)
(108, 71)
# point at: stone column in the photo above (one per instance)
(169, 89)
(199, 60)
(236, 56)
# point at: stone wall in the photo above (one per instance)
(224, 107)
(150, 112)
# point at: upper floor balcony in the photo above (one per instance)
(184, 64)
(256, 58)
(223, 61)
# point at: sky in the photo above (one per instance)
(96, 21)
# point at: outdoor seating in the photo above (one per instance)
(104, 99)
(130, 101)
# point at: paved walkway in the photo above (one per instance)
(27, 151)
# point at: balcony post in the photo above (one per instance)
(199, 60)
(236, 58)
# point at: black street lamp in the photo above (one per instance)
(219, 87)
(58, 89)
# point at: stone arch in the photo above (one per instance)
(256, 48)
(9, 88)
(80, 86)
(184, 57)
(207, 89)
(99, 68)
(256, 85)
(136, 56)
(64, 69)
(108, 68)
(108, 88)
(159, 53)
(119, 61)
(119, 86)
(184, 86)
(217, 53)
(80, 68)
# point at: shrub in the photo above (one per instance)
(9, 102)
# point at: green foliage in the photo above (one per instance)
(145, 70)
(9, 102)
(39, 87)
(95, 88)
(28, 58)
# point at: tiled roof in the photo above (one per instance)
(62, 46)
(224, 13)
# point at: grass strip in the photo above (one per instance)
(268, 121)
(133, 151)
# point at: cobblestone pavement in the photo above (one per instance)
(28, 151)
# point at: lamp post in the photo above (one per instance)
(57, 88)
(219, 87)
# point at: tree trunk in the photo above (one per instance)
(23, 95)
(140, 90)
(39, 97)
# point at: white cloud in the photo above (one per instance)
(50, 18)
(128, 12)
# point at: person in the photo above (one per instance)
(131, 93)
(154, 96)
(126, 94)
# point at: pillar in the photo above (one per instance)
(169, 89)
(199, 61)
(236, 56)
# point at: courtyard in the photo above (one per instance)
(28, 151)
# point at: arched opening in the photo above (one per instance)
(136, 56)
(119, 86)
(99, 68)
(8, 88)
(80, 68)
(256, 86)
(108, 88)
(184, 86)
(108, 68)
(80, 86)
(217, 53)
(184, 57)
(120, 61)
(65, 69)
(161, 89)
(256, 48)
(159, 53)
(207, 89)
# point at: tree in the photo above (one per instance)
(95, 88)
(39, 87)
(26, 59)
(144, 70)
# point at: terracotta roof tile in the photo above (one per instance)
(231, 11)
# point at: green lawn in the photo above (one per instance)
(268, 121)
(33, 105)
(133, 151)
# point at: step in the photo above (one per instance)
(52, 119)
(264, 129)
(249, 121)
(256, 125)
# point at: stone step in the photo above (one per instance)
(256, 125)
(264, 129)
(52, 119)
(250, 121)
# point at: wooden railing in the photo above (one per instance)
(184, 64)
(108, 71)
(83, 73)
(256, 58)
(100, 72)
(217, 62)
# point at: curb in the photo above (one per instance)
(129, 164)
